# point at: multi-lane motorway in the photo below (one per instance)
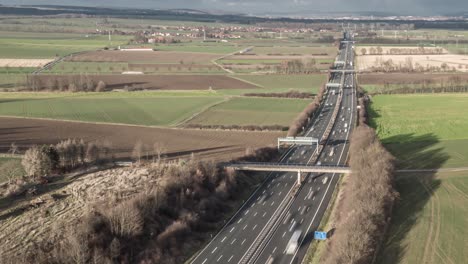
(260, 231)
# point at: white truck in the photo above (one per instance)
(332, 152)
(293, 242)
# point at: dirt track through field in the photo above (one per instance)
(209, 144)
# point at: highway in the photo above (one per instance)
(259, 232)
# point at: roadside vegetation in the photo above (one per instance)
(163, 212)
(362, 220)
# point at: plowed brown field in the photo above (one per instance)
(158, 82)
(209, 144)
(145, 56)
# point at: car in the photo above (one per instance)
(325, 180)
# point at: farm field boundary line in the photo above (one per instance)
(249, 82)
(454, 169)
(208, 107)
(215, 61)
(122, 124)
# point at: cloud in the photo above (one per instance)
(284, 6)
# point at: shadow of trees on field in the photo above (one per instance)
(415, 189)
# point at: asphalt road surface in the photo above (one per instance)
(260, 231)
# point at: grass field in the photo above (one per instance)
(252, 111)
(201, 47)
(423, 131)
(48, 45)
(273, 83)
(12, 80)
(141, 109)
(429, 221)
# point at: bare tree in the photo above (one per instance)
(138, 151)
(13, 149)
(363, 51)
(10, 169)
(158, 150)
(101, 86)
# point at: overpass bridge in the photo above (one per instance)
(287, 167)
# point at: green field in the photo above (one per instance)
(252, 61)
(423, 131)
(429, 221)
(48, 45)
(218, 48)
(252, 111)
(281, 83)
(157, 109)
(12, 80)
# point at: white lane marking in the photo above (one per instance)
(230, 258)
(274, 250)
(333, 175)
(292, 226)
(272, 203)
(243, 241)
(280, 193)
(232, 229)
(223, 239)
(244, 227)
(204, 261)
(246, 212)
(264, 214)
(219, 258)
(302, 220)
(233, 241)
(254, 227)
(251, 197)
(214, 250)
(318, 189)
(255, 213)
(239, 220)
(284, 234)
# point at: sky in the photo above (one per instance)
(404, 7)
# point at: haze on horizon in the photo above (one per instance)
(402, 7)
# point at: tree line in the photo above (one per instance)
(41, 161)
(239, 127)
(288, 94)
(365, 213)
(77, 83)
(303, 119)
(408, 65)
(454, 84)
(402, 51)
(297, 67)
